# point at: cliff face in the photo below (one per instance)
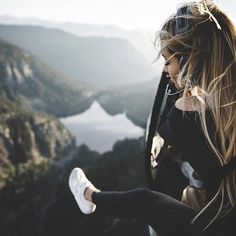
(33, 135)
(26, 137)
(30, 83)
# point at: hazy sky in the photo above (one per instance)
(127, 14)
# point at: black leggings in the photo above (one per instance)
(166, 215)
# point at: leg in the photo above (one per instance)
(165, 214)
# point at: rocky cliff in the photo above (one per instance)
(29, 138)
(31, 84)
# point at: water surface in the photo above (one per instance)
(99, 130)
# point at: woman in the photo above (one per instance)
(198, 44)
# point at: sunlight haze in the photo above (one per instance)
(127, 14)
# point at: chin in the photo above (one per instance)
(174, 82)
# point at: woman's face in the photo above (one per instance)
(171, 67)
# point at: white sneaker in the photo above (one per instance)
(78, 183)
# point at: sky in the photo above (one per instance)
(127, 14)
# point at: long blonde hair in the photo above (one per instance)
(208, 48)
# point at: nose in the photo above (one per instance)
(165, 69)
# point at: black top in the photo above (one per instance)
(183, 130)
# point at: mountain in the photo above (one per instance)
(135, 100)
(141, 39)
(25, 80)
(29, 139)
(37, 154)
(95, 60)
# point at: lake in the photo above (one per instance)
(99, 130)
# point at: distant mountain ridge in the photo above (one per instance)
(99, 61)
(142, 39)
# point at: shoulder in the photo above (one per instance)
(191, 103)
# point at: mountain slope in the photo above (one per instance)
(135, 100)
(96, 60)
(28, 140)
(30, 83)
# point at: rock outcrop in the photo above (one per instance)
(33, 85)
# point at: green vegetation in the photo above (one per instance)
(26, 173)
(37, 199)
